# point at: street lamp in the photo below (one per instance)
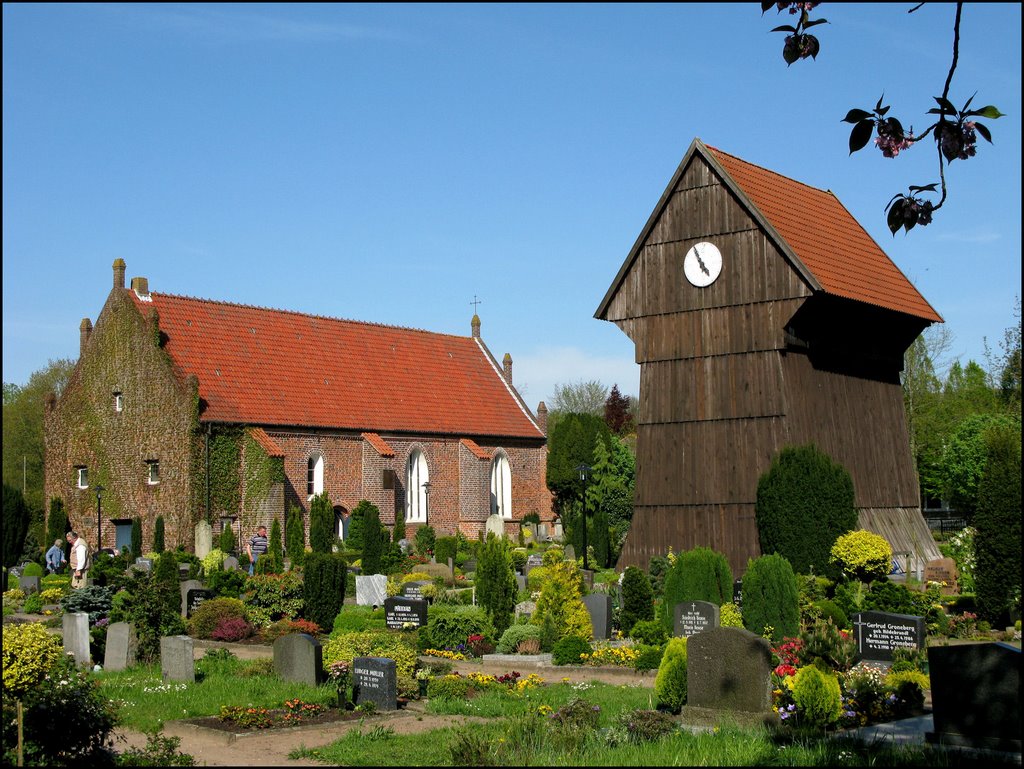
(584, 471)
(426, 501)
(99, 515)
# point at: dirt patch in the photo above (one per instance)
(330, 716)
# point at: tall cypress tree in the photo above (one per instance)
(56, 523)
(295, 535)
(373, 538)
(496, 587)
(16, 521)
(136, 537)
(321, 524)
(158, 535)
(274, 547)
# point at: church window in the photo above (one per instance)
(417, 486)
(152, 472)
(118, 402)
(315, 475)
(82, 477)
(501, 487)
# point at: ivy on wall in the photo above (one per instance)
(262, 471)
(225, 469)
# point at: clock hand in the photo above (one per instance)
(703, 267)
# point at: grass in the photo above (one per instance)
(145, 702)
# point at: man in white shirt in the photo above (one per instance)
(79, 560)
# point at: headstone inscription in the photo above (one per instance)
(729, 668)
(599, 606)
(299, 657)
(184, 571)
(695, 617)
(976, 696)
(194, 599)
(204, 539)
(121, 648)
(371, 590)
(414, 589)
(177, 658)
(943, 571)
(375, 679)
(76, 637)
(878, 633)
(469, 565)
(186, 586)
(400, 610)
(737, 592)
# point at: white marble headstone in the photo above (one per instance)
(371, 590)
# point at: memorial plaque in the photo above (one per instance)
(143, 564)
(942, 570)
(600, 609)
(375, 679)
(29, 585)
(194, 598)
(695, 617)
(413, 589)
(737, 592)
(878, 634)
(399, 610)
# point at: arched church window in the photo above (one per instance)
(417, 486)
(315, 475)
(501, 487)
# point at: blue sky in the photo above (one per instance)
(389, 163)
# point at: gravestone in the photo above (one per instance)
(122, 645)
(737, 592)
(76, 637)
(177, 658)
(878, 633)
(399, 610)
(194, 599)
(29, 585)
(230, 563)
(184, 571)
(469, 565)
(558, 532)
(371, 590)
(729, 668)
(569, 553)
(186, 586)
(599, 606)
(143, 564)
(375, 679)
(299, 657)
(525, 608)
(942, 570)
(542, 532)
(495, 525)
(976, 696)
(414, 589)
(204, 539)
(694, 617)
(521, 581)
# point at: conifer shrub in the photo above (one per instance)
(295, 535)
(700, 574)
(228, 543)
(561, 599)
(323, 587)
(321, 525)
(670, 683)
(425, 538)
(450, 626)
(136, 542)
(729, 615)
(32, 569)
(275, 547)
(496, 587)
(56, 522)
(818, 699)
(158, 535)
(568, 650)
(445, 548)
(554, 554)
(374, 536)
(637, 599)
(167, 583)
(804, 503)
(535, 579)
(862, 555)
(650, 656)
(830, 611)
(511, 638)
(519, 556)
(599, 538)
(770, 598)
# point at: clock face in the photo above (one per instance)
(702, 264)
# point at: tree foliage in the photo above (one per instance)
(56, 523)
(321, 524)
(496, 587)
(295, 535)
(771, 599)
(637, 599)
(158, 535)
(580, 398)
(997, 543)
(804, 503)
(618, 413)
(323, 587)
(571, 444)
(375, 536)
(963, 461)
(16, 520)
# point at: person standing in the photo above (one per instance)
(79, 560)
(258, 545)
(55, 559)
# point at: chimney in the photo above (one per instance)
(542, 417)
(85, 331)
(506, 363)
(119, 273)
(475, 323)
(140, 286)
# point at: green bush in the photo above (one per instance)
(108, 570)
(770, 598)
(567, 650)
(158, 535)
(425, 538)
(29, 654)
(510, 639)
(226, 584)
(213, 561)
(554, 554)
(700, 574)
(208, 615)
(830, 611)
(823, 640)
(295, 535)
(321, 525)
(136, 546)
(637, 599)
(93, 600)
(16, 520)
(805, 501)
(32, 569)
(862, 555)
(271, 597)
(670, 683)
(355, 619)
(323, 590)
(146, 603)
(276, 547)
(650, 656)
(399, 647)
(56, 523)
(535, 579)
(227, 543)
(817, 696)
(33, 604)
(519, 556)
(649, 632)
(375, 536)
(496, 587)
(448, 626)
(445, 548)
(730, 615)
(561, 600)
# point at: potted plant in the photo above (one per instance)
(337, 673)
(423, 678)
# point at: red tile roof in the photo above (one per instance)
(267, 443)
(478, 452)
(379, 444)
(827, 240)
(261, 366)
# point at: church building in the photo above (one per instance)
(198, 410)
(764, 316)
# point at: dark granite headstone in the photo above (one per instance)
(878, 633)
(413, 589)
(184, 571)
(399, 610)
(469, 565)
(695, 617)
(186, 586)
(29, 585)
(194, 599)
(600, 608)
(729, 668)
(375, 679)
(976, 695)
(299, 657)
(737, 592)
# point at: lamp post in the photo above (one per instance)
(99, 515)
(584, 471)
(426, 501)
